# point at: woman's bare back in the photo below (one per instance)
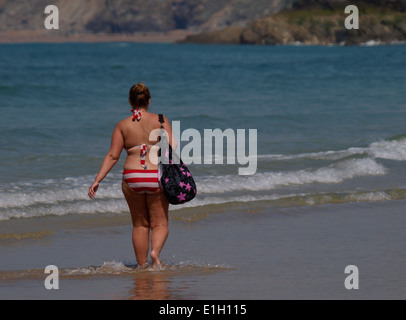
(138, 132)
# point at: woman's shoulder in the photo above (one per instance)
(156, 116)
(123, 123)
(159, 114)
(150, 117)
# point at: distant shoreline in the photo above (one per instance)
(174, 36)
(44, 36)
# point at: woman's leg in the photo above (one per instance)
(158, 218)
(140, 219)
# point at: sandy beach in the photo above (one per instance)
(298, 253)
(56, 36)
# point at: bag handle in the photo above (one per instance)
(162, 134)
(161, 120)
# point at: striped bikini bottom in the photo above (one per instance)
(142, 181)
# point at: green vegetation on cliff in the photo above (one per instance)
(320, 23)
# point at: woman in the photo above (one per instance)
(147, 203)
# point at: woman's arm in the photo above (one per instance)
(117, 145)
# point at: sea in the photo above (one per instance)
(321, 128)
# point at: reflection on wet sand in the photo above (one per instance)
(163, 284)
(154, 286)
(171, 282)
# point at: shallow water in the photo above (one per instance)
(328, 119)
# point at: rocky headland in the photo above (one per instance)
(128, 20)
(318, 23)
(268, 22)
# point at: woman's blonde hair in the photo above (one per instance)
(139, 95)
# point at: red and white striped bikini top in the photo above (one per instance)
(143, 147)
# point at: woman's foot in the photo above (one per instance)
(156, 263)
(143, 266)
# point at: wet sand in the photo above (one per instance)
(274, 253)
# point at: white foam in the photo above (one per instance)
(108, 267)
(69, 195)
(368, 196)
(322, 155)
(264, 181)
(74, 200)
(371, 43)
(119, 267)
(391, 150)
(384, 149)
(51, 192)
(88, 207)
(60, 198)
(210, 200)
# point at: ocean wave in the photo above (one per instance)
(54, 193)
(112, 268)
(391, 149)
(204, 206)
(264, 181)
(59, 197)
(388, 149)
(308, 198)
(198, 211)
(111, 206)
(4, 237)
(68, 195)
(121, 267)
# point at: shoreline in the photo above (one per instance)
(54, 36)
(172, 37)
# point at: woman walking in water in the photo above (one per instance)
(146, 201)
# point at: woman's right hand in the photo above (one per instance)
(93, 189)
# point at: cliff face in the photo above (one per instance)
(127, 16)
(321, 22)
(215, 21)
